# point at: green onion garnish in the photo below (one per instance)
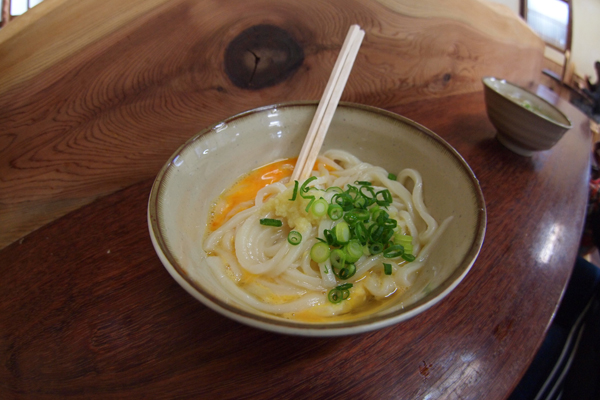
(271, 222)
(353, 250)
(295, 191)
(335, 296)
(366, 229)
(304, 188)
(404, 240)
(394, 251)
(376, 248)
(392, 177)
(387, 269)
(361, 233)
(386, 198)
(320, 252)
(347, 272)
(339, 293)
(341, 233)
(335, 212)
(338, 258)
(294, 238)
(319, 207)
(409, 257)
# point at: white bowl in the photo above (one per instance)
(525, 122)
(213, 160)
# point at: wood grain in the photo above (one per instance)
(95, 96)
(88, 311)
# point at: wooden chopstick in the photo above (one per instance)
(328, 104)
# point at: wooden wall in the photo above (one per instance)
(95, 95)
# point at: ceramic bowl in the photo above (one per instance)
(525, 122)
(214, 159)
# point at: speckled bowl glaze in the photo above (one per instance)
(214, 159)
(525, 122)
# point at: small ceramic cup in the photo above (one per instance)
(525, 122)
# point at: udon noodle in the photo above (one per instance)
(270, 272)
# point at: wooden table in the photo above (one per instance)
(88, 311)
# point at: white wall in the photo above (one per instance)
(585, 47)
(585, 44)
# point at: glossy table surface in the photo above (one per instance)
(88, 311)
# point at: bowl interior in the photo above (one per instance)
(213, 160)
(527, 100)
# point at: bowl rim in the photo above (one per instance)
(486, 79)
(306, 328)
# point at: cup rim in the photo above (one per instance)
(486, 79)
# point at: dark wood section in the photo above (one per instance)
(88, 311)
(262, 56)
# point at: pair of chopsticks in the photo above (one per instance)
(328, 104)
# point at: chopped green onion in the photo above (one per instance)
(394, 251)
(295, 191)
(329, 237)
(390, 223)
(387, 197)
(351, 217)
(387, 269)
(304, 188)
(376, 248)
(294, 238)
(339, 293)
(363, 183)
(375, 232)
(361, 202)
(271, 222)
(386, 235)
(347, 272)
(404, 240)
(312, 199)
(319, 252)
(409, 257)
(335, 296)
(408, 248)
(354, 251)
(401, 239)
(352, 191)
(338, 258)
(344, 200)
(381, 217)
(335, 212)
(319, 207)
(341, 233)
(361, 233)
(392, 177)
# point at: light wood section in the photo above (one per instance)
(95, 95)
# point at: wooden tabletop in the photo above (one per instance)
(94, 98)
(88, 311)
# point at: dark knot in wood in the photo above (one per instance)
(262, 56)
